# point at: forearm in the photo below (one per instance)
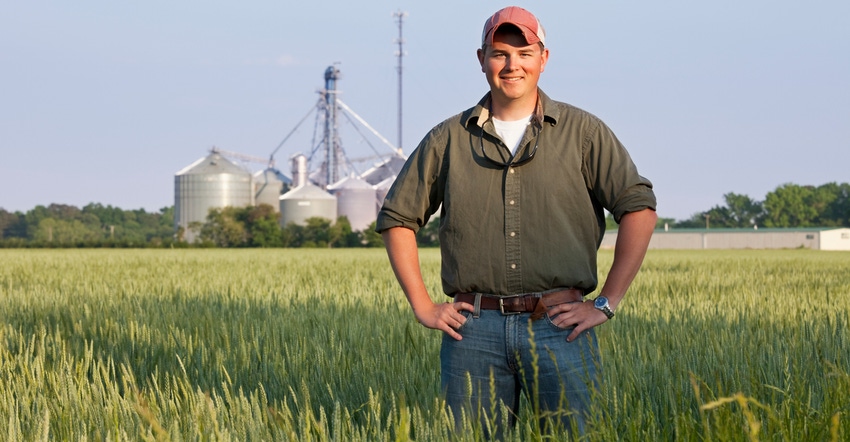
(404, 259)
(403, 252)
(632, 241)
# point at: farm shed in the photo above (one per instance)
(819, 238)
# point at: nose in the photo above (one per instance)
(510, 63)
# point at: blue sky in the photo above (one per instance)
(104, 101)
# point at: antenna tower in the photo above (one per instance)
(399, 16)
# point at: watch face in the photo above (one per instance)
(600, 302)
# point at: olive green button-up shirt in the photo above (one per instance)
(524, 223)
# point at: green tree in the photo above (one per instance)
(341, 235)
(316, 232)
(223, 229)
(262, 223)
(107, 215)
(95, 225)
(371, 238)
(12, 225)
(610, 224)
(130, 227)
(821, 199)
(791, 205)
(429, 234)
(837, 212)
(742, 211)
(166, 218)
(696, 221)
(33, 217)
(60, 232)
(719, 216)
(292, 235)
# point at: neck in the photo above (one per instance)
(510, 110)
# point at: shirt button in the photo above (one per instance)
(511, 203)
(513, 233)
(513, 266)
(512, 170)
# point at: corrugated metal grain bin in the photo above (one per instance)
(304, 202)
(210, 182)
(355, 198)
(267, 188)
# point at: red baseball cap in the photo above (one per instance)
(522, 19)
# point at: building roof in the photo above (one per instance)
(750, 230)
(213, 164)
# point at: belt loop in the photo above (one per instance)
(539, 309)
(477, 312)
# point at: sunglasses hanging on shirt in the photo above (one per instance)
(527, 156)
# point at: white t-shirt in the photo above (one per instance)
(511, 131)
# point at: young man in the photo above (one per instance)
(522, 181)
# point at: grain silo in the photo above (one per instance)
(388, 168)
(381, 190)
(306, 200)
(382, 176)
(267, 188)
(210, 182)
(356, 200)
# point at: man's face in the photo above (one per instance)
(512, 67)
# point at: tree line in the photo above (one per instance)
(789, 205)
(259, 226)
(96, 225)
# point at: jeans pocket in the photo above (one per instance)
(468, 315)
(549, 320)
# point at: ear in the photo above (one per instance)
(545, 57)
(480, 54)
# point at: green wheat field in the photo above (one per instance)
(287, 344)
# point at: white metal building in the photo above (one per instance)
(818, 238)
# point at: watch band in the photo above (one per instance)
(601, 304)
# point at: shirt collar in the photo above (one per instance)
(544, 111)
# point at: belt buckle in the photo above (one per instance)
(502, 307)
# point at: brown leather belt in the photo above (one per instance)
(535, 303)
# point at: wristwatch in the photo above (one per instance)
(601, 304)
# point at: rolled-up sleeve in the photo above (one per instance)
(415, 195)
(612, 175)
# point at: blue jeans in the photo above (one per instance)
(497, 359)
